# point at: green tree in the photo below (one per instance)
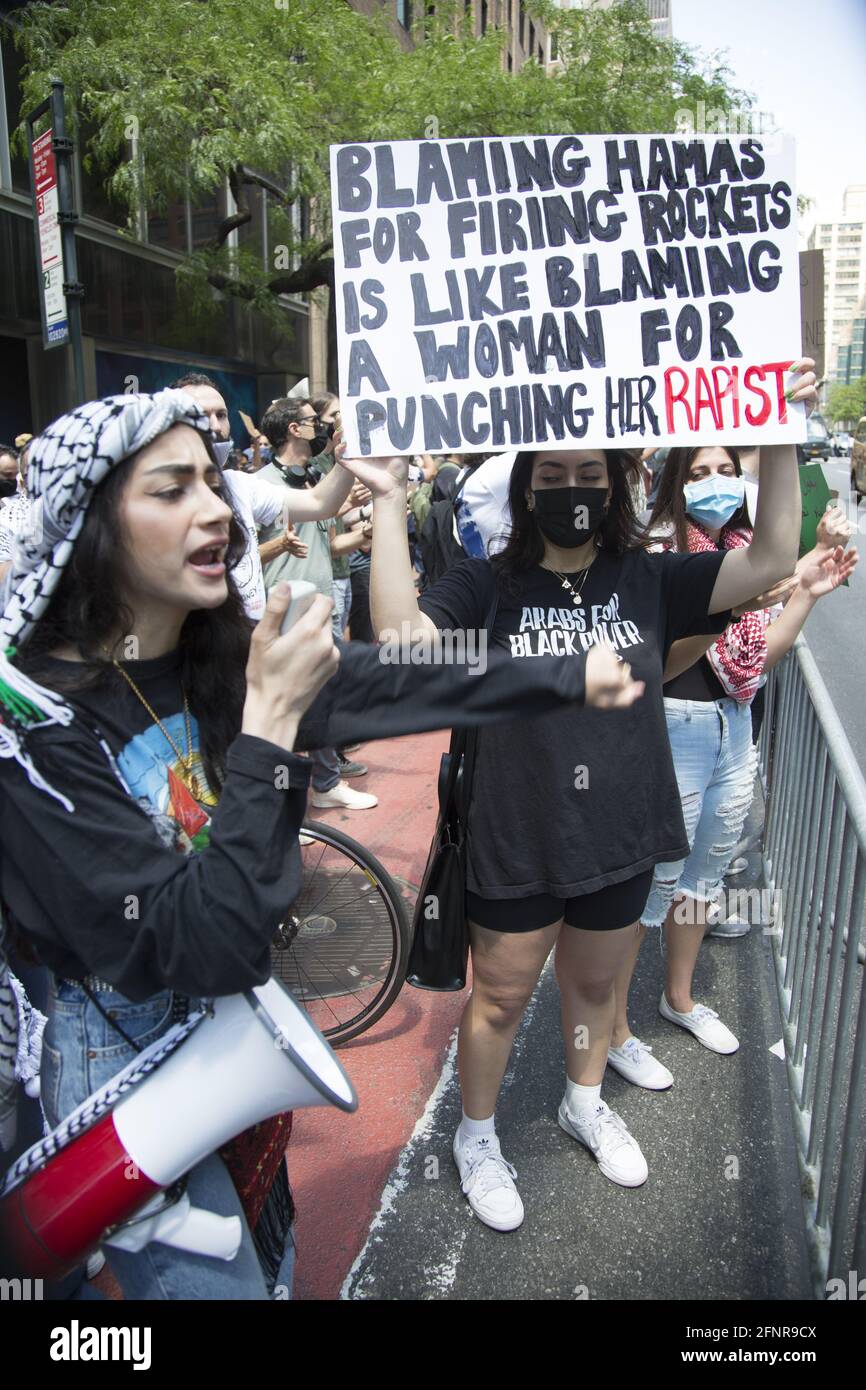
(179, 96)
(847, 402)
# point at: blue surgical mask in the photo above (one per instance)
(222, 448)
(713, 500)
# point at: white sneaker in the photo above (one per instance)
(488, 1182)
(605, 1135)
(344, 796)
(705, 1024)
(634, 1061)
(737, 866)
(730, 927)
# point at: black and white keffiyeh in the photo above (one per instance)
(9, 1033)
(21, 1029)
(66, 463)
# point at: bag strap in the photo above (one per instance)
(464, 742)
(448, 783)
(460, 486)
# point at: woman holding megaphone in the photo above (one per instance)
(569, 815)
(150, 797)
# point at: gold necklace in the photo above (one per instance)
(575, 592)
(186, 774)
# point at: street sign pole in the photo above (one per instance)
(54, 219)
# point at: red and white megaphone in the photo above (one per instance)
(253, 1056)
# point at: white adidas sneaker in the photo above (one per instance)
(603, 1132)
(488, 1182)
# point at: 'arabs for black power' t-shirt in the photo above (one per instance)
(580, 798)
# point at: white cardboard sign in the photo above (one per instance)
(566, 291)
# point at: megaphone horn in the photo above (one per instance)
(258, 1055)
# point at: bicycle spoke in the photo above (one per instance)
(340, 880)
(339, 978)
(322, 999)
(342, 908)
(305, 862)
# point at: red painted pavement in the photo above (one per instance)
(338, 1164)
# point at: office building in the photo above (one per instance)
(844, 246)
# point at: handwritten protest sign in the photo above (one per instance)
(571, 291)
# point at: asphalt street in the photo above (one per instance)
(836, 630)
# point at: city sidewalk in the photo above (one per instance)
(381, 1214)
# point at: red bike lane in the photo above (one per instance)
(338, 1164)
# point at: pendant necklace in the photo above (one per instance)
(184, 772)
(575, 592)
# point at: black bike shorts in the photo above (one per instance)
(608, 909)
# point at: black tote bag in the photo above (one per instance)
(440, 932)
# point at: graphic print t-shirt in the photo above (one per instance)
(145, 759)
(138, 876)
(580, 798)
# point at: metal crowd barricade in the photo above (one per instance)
(815, 865)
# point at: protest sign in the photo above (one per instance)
(814, 496)
(575, 292)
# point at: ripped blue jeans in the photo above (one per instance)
(715, 764)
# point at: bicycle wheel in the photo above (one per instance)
(343, 945)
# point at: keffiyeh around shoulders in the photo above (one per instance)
(739, 656)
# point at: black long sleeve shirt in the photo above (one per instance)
(104, 890)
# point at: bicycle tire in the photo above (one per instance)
(286, 959)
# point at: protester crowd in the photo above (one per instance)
(158, 525)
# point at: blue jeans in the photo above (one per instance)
(714, 762)
(326, 764)
(342, 592)
(81, 1052)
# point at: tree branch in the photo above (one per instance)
(237, 219)
(250, 176)
(309, 275)
(229, 285)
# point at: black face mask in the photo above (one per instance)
(568, 516)
(8, 487)
(319, 441)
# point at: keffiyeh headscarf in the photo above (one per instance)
(67, 462)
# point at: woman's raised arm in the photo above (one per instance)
(773, 552)
(393, 600)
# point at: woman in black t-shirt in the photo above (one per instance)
(571, 812)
